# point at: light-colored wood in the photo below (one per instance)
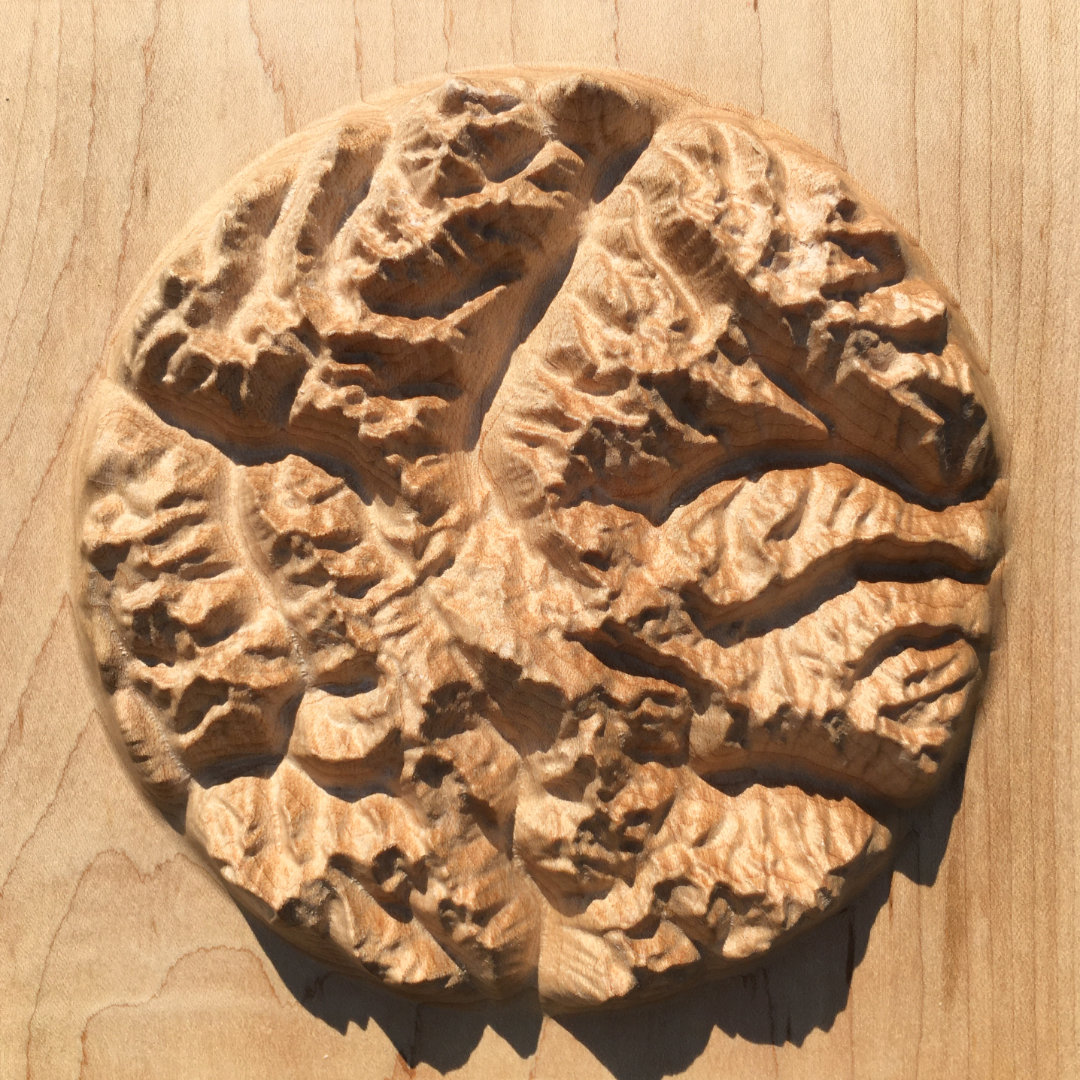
(536, 533)
(121, 119)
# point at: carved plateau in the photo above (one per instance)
(540, 534)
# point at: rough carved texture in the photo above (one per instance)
(541, 533)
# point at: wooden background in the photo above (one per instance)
(119, 957)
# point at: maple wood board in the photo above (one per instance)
(122, 956)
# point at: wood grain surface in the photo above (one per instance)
(121, 957)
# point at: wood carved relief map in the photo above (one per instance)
(541, 534)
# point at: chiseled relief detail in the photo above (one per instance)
(541, 534)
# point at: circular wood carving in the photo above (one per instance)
(542, 534)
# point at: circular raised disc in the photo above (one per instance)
(537, 533)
